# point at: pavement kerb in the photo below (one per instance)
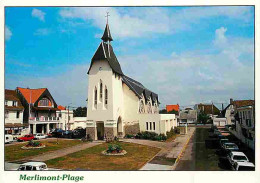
(151, 158)
(183, 149)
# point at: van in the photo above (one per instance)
(8, 139)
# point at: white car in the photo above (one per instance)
(235, 156)
(9, 139)
(39, 136)
(243, 166)
(33, 166)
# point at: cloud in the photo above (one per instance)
(38, 14)
(132, 22)
(69, 87)
(8, 33)
(220, 38)
(197, 76)
(42, 32)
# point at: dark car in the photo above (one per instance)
(79, 132)
(57, 132)
(67, 134)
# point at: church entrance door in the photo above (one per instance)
(100, 130)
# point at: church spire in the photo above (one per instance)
(107, 35)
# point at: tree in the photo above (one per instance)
(80, 112)
(203, 118)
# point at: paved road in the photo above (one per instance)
(166, 158)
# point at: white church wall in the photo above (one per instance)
(95, 75)
(118, 98)
(131, 106)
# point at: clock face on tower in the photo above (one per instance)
(100, 68)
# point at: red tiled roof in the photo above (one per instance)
(12, 96)
(34, 94)
(172, 107)
(61, 107)
(240, 103)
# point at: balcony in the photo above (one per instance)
(43, 118)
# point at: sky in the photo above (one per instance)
(186, 55)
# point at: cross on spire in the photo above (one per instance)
(107, 16)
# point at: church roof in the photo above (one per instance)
(107, 35)
(105, 52)
(139, 89)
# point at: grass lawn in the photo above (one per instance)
(205, 158)
(14, 152)
(92, 159)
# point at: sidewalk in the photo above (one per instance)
(59, 153)
(166, 158)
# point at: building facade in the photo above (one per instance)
(13, 114)
(118, 104)
(187, 116)
(40, 110)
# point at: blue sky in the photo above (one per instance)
(185, 54)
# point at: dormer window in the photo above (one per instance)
(43, 102)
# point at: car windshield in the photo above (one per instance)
(230, 145)
(240, 158)
(22, 167)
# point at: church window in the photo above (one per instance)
(101, 91)
(153, 125)
(147, 125)
(95, 98)
(106, 96)
(150, 125)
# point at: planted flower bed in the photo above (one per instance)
(33, 145)
(114, 149)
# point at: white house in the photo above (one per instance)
(13, 114)
(39, 109)
(118, 104)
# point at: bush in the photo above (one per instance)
(129, 136)
(150, 136)
(114, 148)
(32, 143)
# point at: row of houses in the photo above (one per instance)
(238, 117)
(35, 111)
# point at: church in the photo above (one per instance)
(117, 104)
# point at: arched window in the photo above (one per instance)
(106, 96)
(95, 97)
(101, 91)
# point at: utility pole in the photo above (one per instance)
(68, 116)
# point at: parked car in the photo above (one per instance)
(243, 166)
(67, 134)
(33, 166)
(16, 136)
(8, 139)
(25, 138)
(39, 136)
(222, 142)
(79, 132)
(57, 132)
(229, 146)
(235, 156)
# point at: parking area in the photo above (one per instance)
(200, 157)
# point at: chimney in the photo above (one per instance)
(231, 101)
